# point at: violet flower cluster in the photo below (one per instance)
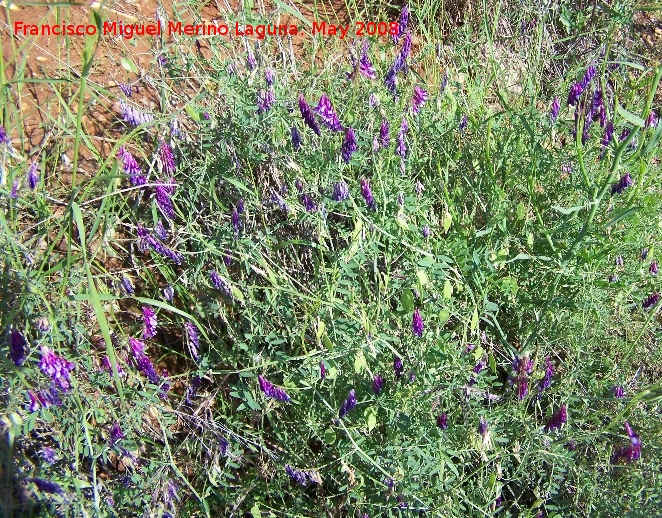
(147, 241)
(325, 111)
(308, 116)
(631, 452)
(348, 404)
(18, 347)
(271, 391)
(340, 191)
(377, 384)
(57, 368)
(131, 167)
(193, 339)
(417, 324)
(149, 322)
(418, 99)
(133, 116)
(142, 363)
(522, 368)
(349, 145)
(366, 192)
(620, 186)
(558, 419)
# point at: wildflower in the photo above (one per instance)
(4, 138)
(613, 278)
(653, 268)
(390, 79)
(49, 397)
(14, 189)
(644, 254)
(236, 222)
(608, 136)
(192, 390)
(18, 347)
(308, 203)
(297, 475)
(546, 381)
(367, 194)
(107, 367)
(554, 112)
(127, 285)
(47, 486)
(402, 25)
(348, 404)
(168, 293)
(33, 176)
(216, 279)
(322, 370)
(442, 421)
(298, 184)
(412, 376)
(56, 367)
(463, 124)
(340, 191)
(308, 116)
(384, 137)
(272, 391)
(375, 144)
(558, 419)
(479, 366)
(133, 116)
(251, 62)
(167, 158)
(651, 120)
(373, 100)
(348, 145)
(625, 182)
(418, 187)
(265, 100)
(131, 167)
(296, 138)
(444, 83)
(193, 339)
(619, 260)
(227, 258)
(417, 324)
(116, 434)
(418, 99)
(401, 150)
(482, 426)
(650, 301)
(269, 76)
(365, 65)
(618, 391)
(48, 454)
(573, 95)
(224, 445)
(401, 199)
(149, 322)
(398, 367)
(162, 193)
(377, 384)
(632, 452)
(404, 51)
(425, 231)
(328, 115)
(142, 362)
(402, 503)
(165, 386)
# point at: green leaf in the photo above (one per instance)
(474, 320)
(129, 66)
(407, 300)
(521, 211)
(444, 315)
(359, 363)
(447, 221)
(255, 511)
(370, 418)
(448, 289)
(422, 278)
(630, 117)
(329, 436)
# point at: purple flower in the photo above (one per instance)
(373, 100)
(56, 367)
(149, 322)
(272, 391)
(168, 293)
(574, 94)
(625, 182)
(142, 362)
(367, 194)
(48, 454)
(296, 138)
(265, 100)
(618, 391)
(651, 120)
(442, 421)
(340, 191)
(619, 260)
(418, 99)
(193, 339)
(632, 452)
(558, 419)
(425, 231)
(404, 51)
(482, 426)
(398, 367)
(33, 176)
(224, 446)
(463, 124)
(133, 116)
(14, 189)
(401, 150)
(554, 112)
(366, 67)
(644, 254)
(377, 384)
(127, 285)
(348, 404)
(444, 83)
(236, 222)
(299, 476)
(46, 486)
(328, 115)
(308, 203)
(308, 116)
(145, 241)
(49, 397)
(479, 366)
(216, 280)
(653, 268)
(167, 158)
(4, 138)
(269, 76)
(322, 370)
(162, 193)
(390, 80)
(348, 145)
(402, 25)
(608, 136)
(384, 137)
(546, 381)
(251, 62)
(131, 167)
(107, 367)
(116, 434)
(650, 301)
(126, 89)
(227, 257)
(18, 347)
(417, 324)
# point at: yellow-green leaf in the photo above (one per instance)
(448, 289)
(474, 320)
